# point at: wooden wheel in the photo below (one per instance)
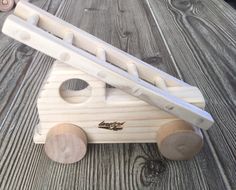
(178, 140)
(66, 143)
(6, 5)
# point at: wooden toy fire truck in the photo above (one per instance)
(76, 107)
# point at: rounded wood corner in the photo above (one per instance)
(66, 143)
(179, 140)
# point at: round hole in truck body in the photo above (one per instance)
(75, 91)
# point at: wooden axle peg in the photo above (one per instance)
(66, 143)
(178, 140)
(6, 5)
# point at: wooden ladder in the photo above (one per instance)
(63, 41)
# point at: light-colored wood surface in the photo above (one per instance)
(58, 103)
(79, 58)
(66, 143)
(178, 140)
(24, 165)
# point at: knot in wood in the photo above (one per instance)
(153, 169)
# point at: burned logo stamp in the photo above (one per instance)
(115, 126)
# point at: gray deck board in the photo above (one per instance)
(205, 34)
(201, 40)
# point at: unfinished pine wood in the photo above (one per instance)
(120, 166)
(90, 43)
(42, 40)
(34, 19)
(84, 101)
(132, 69)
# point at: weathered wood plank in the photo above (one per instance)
(205, 34)
(23, 165)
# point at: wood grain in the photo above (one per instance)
(112, 73)
(128, 25)
(66, 143)
(179, 141)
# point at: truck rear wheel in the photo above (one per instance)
(179, 140)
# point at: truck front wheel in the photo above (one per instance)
(66, 143)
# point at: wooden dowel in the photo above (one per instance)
(132, 69)
(68, 37)
(101, 54)
(160, 83)
(34, 19)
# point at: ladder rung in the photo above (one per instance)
(160, 83)
(101, 54)
(90, 44)
(34, 19)
(68, 37)
(132, 69)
